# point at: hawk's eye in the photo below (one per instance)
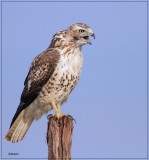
(81, 31)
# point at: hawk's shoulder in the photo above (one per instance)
(40, 72)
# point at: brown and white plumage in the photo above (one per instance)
(52, 76)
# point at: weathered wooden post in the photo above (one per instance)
(59, 137)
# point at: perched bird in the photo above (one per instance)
(51, 78)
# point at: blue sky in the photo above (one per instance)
(109, 103)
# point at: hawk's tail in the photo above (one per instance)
(18, 129)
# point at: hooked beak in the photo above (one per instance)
(93, 35)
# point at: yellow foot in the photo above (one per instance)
(59, 115)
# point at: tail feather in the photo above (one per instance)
(19, 134)
(18, 129)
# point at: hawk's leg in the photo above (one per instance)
(59, 107)
(57, 110)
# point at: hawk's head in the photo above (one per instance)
(80, 33)
(77, 34)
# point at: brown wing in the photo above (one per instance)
(40, 72)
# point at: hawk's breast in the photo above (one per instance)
(64, 78)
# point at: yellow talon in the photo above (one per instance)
(59, 115)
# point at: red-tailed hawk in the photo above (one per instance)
(52, 76)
